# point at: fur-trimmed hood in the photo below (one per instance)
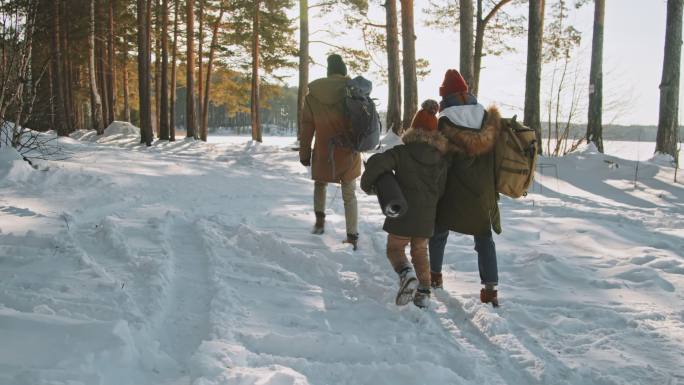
(468, 139)
(433, 138)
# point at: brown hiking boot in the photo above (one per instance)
(352, 239)
(488, 295)
(436, 280)
(319, 227)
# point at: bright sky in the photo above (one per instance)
(633, 52)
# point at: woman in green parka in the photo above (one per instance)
(470, 202)
(420, 167)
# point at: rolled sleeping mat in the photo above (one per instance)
(391, 198)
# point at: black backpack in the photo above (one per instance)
(363, 121)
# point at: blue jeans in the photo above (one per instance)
(486, 254)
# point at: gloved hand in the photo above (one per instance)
(305, 162)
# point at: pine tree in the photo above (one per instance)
(408, 39)
(594, 124)
(466, 43)
(668, 119)
(190, 118)
(95, 100)
(393, 68)
(534, 68)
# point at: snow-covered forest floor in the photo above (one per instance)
(192, 263)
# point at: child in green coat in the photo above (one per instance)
(420, 167)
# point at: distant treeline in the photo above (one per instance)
(616, 132)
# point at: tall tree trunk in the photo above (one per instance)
(256, 122)
(164, 89)
(466, 55)
(127, 106)
(393, 68)
(57, 74)
(157, 69)
(594, 120)
(172, 102)
(101, 51)
(66, 73)
(480, 26)
(200, 52)
(408, 39)
(205, 103)
(190, 117)
(146, 134)
(534, 67)
(111, 70)
(95, 100)
(668, 118)
(303, 61)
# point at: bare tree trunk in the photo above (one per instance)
(157, 70)
(57, 74)
(66, 74)
(127, 106)
(200, 72)
(172, 109)
(95, 100)
(256, 122)
(111, 71)
(594, 123)
(303, 61)
(190, 117)
(146, 135)
(534, 68)
(466, 56)
(101, 52)
(393, 68)
(164, 89)
(408, 39)
(205, 104)
(481, 25)
(668, 119)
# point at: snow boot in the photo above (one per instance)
(436, 280)
(489, 295)
(352, 239)
(408, 283)
(319, 227)
(422, 297)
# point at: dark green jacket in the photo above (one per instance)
(420, 166)
(470, 202)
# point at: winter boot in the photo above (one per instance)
(352, 239)
(408, 283)
(319, 227)
(422, 298)
(489, 295)
(436, 280)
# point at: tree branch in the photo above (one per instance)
(494, 10)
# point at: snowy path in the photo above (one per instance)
(189, 263)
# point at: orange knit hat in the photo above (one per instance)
(424, 120)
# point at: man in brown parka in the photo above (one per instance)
(323, 118)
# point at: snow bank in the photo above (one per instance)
(13, 167)
(122, 128)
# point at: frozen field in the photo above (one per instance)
(192, 263)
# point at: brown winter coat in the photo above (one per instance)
(420, 166)
(323, 117)
(470, 202)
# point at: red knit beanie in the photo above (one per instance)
(424, 120)
(453, 83)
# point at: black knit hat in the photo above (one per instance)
(336, 65)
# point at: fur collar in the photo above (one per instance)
(433, 138)
(472, 141)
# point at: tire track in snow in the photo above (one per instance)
(185, 318)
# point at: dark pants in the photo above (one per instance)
(486, 254)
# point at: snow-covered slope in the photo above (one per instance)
(192, 263)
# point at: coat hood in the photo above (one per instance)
(330, 90)
(433, 139)
(458, 125)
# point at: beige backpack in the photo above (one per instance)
(515, 157)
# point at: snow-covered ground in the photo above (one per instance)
(192, 263)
